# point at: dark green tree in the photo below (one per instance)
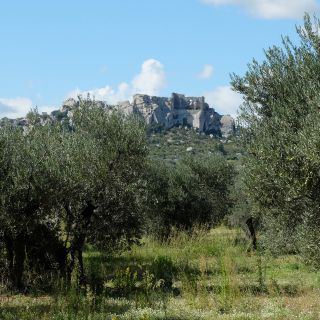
(106, 156)
(62, 186)
(27, 186)
(280, 116)
(194, 191)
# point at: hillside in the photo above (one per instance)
(173, 144)
(176, 127)
(161, 112)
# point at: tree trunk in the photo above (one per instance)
(8, 240)
(16, 254)
(252, 231)
(78, 242)
(19, 258)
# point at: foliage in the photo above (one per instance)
(27, 187)
(280, 121)
(61, 187)
(175, 144)
(194, 191)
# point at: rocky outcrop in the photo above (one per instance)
(227, 126)
(178, 110)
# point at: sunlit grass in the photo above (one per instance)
(206, 275)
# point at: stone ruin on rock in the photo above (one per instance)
(178, 110)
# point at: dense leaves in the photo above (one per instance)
(280, 120)
(194, 191)
(61, 187)
(89, 181)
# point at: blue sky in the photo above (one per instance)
(114, 48)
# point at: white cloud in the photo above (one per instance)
(271, 9)
(224, 100)
(150, 80)
(14, 107)
(106, 93)
(206, 72)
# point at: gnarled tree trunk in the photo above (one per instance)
(252, 231)
(16, 254)
(78, 242)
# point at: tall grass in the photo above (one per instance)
(203, 275)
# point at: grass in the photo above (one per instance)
(208, 275)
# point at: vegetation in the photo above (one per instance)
(212, 276)
(194, 191)
(103, 218)
(281, 137)
(178, 143)
(90, 182)
(60, 189)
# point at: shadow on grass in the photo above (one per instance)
(24, 312)
(290, 290)
(123, 276)
(66, 306)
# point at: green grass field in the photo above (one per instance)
(208, 275)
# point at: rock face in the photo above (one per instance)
(178, 110)
(228, 127)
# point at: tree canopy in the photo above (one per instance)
(73, 185)
(194, 191)
(280, 126)
(89, 180)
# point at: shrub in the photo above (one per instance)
(194, 191)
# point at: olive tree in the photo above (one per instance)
(27, 186)
(62, 186)
(102, 174)
(279, 118)
(194, 191)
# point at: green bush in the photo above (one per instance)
(193, 191)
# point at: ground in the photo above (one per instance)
(206, 275)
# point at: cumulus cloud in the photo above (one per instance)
(206, 72)
(224, 100)
(107, 93)
(150, 80)
(14, 107)
(271, 9)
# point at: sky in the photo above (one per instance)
(113, 49)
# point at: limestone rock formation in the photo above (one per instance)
(227, 126)
(178, 110)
